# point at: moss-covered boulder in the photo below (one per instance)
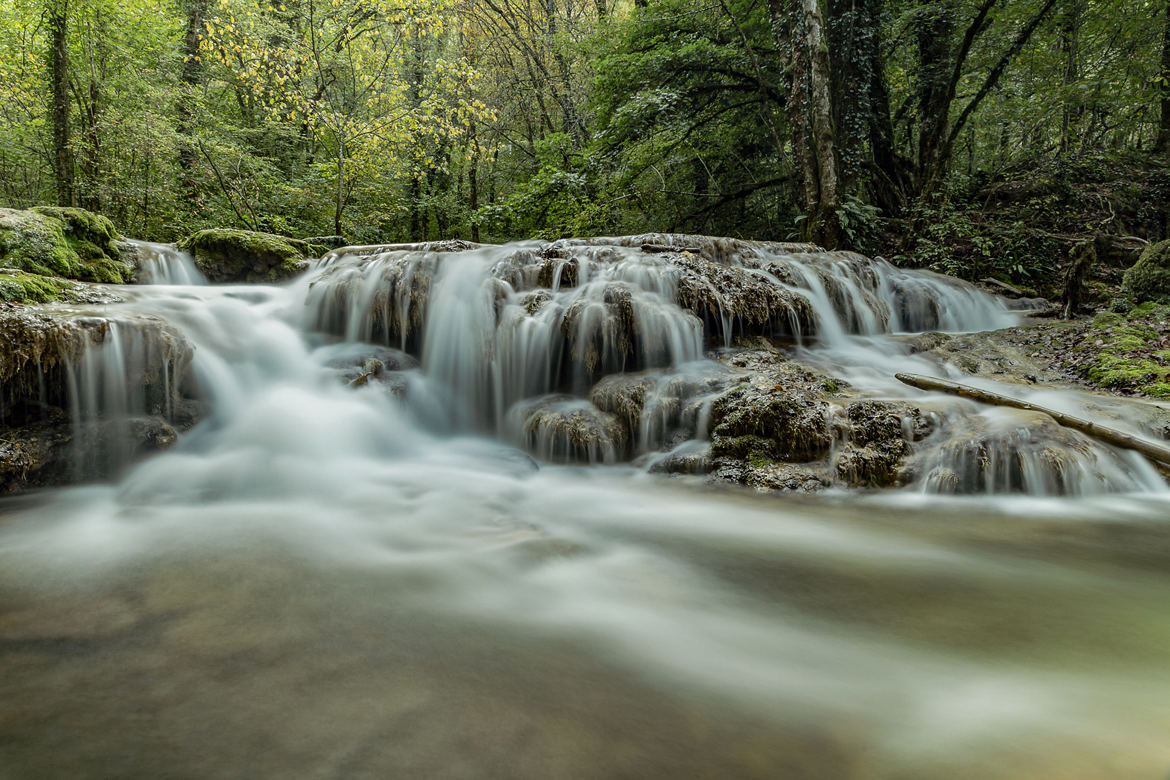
(229, 255)
(1149, 278)
(23, 287)
(66, 242)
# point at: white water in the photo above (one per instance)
(356, 581)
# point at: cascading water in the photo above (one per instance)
(164, 264)
(349, 568)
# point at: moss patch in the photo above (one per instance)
(228, 255)
(23, 287)
(1131, 352)
(66, 242)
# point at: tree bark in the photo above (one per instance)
(190, 81)
(827, 231)
(1070, 25)
(473, 179)
(1153, 451)
(933, 30)
(1164, 86)
(59, 78)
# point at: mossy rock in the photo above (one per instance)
(230, 255)
(1149, 278)
(769, 424)
(23, 287)
(67, 242)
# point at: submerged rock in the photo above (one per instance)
(70, 243)
(55, 451)
(230, 255)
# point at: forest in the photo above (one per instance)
(981, 137)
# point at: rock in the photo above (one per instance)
(67, 242)
(54, 451)
(686, 460)
(877, 438)
(229, 255)
(760, 423)
(768, 477)
(1149, 278)
(22, 287)
(566, 430)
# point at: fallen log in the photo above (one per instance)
(1156, 452)
(651, 249)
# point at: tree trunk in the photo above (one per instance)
(933, 29)
(340, 204)
(1164, 86)
(826, 227)
(473, 180)
(1070, 25)
(794, 60)
(190, 82)
(59, 77)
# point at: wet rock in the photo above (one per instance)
(230, 255)
(877, 438)
(774, 423)
(65, 242)
(560, 429)
(54, 451)
(686, 460)
(768, 477)
(1149, 278)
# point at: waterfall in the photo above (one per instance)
(594, 351)
(164, 264)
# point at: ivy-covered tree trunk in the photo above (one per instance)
(58, 14)
(800, 37)
(1070, 26)
(825, 227)
(1164, 86)
(933, 29)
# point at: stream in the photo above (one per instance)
(347, 570)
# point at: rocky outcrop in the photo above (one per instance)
(229, 255)
(61, 242)
(138, 395)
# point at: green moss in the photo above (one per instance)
(1126, 352)
(70, 243)
(23, 287)
(229, 255)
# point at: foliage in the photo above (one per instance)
(501, 119)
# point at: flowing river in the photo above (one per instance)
(339, 578)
